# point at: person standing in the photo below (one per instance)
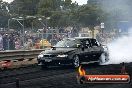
(1, 42)
(17, 44)
(5, 42)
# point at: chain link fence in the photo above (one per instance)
(39, 40)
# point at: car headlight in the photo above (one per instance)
(62, 55)
(40, 56)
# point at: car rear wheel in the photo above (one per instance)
(76, 61)
(103, 58)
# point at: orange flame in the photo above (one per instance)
(81, 71)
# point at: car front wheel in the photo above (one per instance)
(76, 61)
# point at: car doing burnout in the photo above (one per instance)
(74, 51)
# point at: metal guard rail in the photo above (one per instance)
(19, 54)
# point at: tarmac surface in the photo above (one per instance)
(58, 77)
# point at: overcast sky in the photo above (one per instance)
(80, 2)
(8, 0)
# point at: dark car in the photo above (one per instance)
(74, 51)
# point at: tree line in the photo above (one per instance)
(62, 13)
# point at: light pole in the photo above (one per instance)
(8, 30)
(45, 27)
(9, 24)
(40, 19)
(102, 27)
(22, 24)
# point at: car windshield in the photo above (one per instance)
(68, 43)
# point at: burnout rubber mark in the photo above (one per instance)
(6, 64)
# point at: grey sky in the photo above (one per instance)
(80, 2)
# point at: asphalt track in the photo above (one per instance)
(58, 77)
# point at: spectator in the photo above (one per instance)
(11, 42)
(5, 42)
(61, 30)
(17, 44)
(1, 42)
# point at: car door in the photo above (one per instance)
(86, 51)
(95, 49)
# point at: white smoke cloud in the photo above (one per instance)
(120, 50)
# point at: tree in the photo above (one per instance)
(67, 4)
(47, 7)
(63, 13)
(89, 15)
(4, 15)
(114, 10)
(24, 7)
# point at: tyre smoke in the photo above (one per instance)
(120, 50)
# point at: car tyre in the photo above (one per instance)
(76, 61)
(103, 58)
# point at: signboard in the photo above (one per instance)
(102, 25)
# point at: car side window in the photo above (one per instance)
(94, 42)
(85, 43)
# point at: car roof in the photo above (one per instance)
(79, 38)
(83, 38)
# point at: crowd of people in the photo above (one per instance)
(10, 41)
(14, 40)
(55, 35)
